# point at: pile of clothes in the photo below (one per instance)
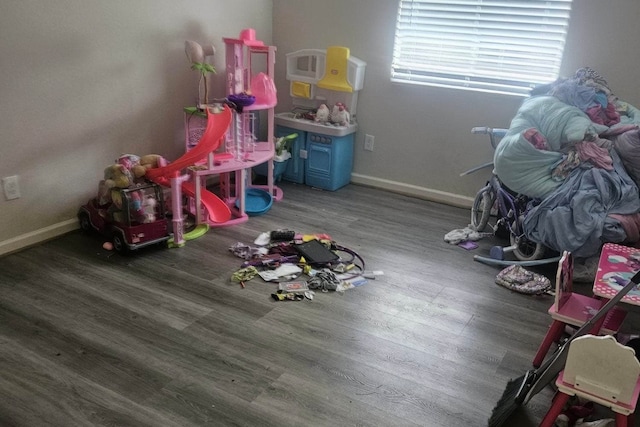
(574, 148)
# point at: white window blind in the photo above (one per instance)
(497, 46)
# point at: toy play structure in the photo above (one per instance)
(330, 74)
(229, 145)
(324, 88)
(216, 209)
(250, 90)
(225, 145)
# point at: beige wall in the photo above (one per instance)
(84, 81)
(422, 134)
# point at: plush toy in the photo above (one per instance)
(115, 210)
(141, 209)
(104, 193)
(149, 208)
(149, 161)
(136, 208)
(322, 115)
(129, 161)
(340, 115)
(117, 176)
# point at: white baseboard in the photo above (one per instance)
(414, 191)
(38, 236)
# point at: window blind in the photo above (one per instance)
(498, 46)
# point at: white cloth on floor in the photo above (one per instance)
(463, 235)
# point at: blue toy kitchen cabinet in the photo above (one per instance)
(326, 80)
(329, 160)
(320, 160)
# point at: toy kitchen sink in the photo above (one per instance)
(296, 121)
(322, 155)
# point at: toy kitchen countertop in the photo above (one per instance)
(294, 121)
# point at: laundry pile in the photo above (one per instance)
(574, 148)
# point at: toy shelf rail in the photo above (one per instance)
(233, 194)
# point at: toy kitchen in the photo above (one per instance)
(324, 86)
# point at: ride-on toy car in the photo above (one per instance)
(131, 217)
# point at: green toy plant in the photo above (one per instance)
(283, 144)
(204, 69)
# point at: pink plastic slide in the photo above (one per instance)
(217, 125)
(212, 203)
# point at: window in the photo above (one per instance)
(498, 46)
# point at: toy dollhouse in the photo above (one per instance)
(249, 70)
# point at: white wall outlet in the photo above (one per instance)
(368, 142)
(11, 187)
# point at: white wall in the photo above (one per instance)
(84, 81)
(422, 134)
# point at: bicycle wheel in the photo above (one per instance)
(525, 249)
(481, 209)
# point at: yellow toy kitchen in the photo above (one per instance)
(324, 86)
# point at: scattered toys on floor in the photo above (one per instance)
(300, 264)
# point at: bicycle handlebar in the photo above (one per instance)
(484, 130)
(495, 134)
(481, 129)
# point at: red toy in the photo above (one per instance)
(134, 218)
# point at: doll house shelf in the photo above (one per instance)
(249, 69)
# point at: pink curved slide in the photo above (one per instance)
(217, 125)
(212, 203)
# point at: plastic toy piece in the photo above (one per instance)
(217, 125)
(119, 220)
(600, 370)
(301, 90)
(571, 308)
(216, 208)
(335, 76)
(491, 261)
(264, 89)
(257, 201)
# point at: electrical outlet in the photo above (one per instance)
(11, 187)
(368, 142)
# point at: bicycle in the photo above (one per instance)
(496, 206)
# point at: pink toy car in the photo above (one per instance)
(131, 217)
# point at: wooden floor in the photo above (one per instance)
(164, 338)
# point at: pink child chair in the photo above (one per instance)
(574, 309)
(600, 370)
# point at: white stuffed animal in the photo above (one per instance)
(340, 115)
(149, 208)
(322, 115)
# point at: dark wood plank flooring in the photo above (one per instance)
(164, 338)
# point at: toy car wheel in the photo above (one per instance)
(85, 222)
(119, 243)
